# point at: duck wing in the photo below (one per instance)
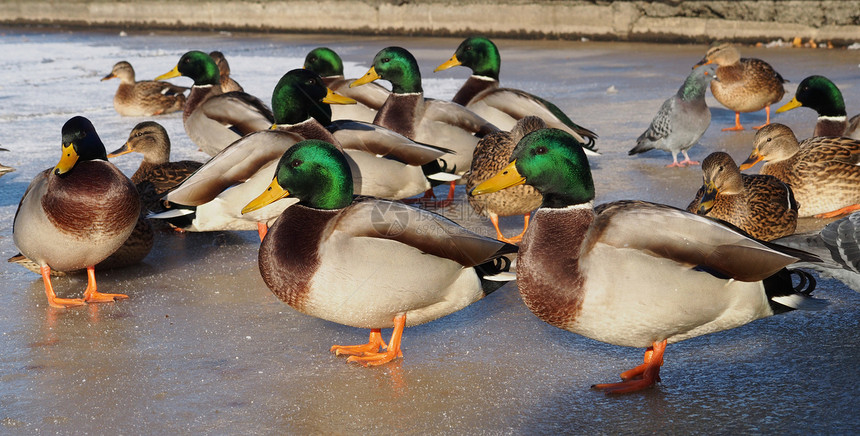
(689, 239)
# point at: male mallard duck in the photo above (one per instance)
(822, 95)
(367, 262)
(632, 273)
(150, 139)
(384, 163)
(743, 84)
(838, 243)
(145, 98)
(491, 155)
(763, 206)
(227, 82)
(325, 62)
(823, 172)
(212, 119)
(76, 214)
(483, 95)
(681, 120)
(428, 121)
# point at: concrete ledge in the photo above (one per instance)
(667, 20)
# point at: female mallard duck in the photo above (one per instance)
(763, 206)
(76, 214)
(822, 95)
(633, 273)
(504, 106)
(427, 121)
(227, 82)
(384, 163)
(491, 155)
(743, 84)
(366, 262)
(145, 98)
(823, 172)
(325, 62)
(212, 119)
(681, 120)
(150, 139)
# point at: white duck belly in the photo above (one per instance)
(387, 279)
(636, 307)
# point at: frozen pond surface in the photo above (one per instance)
(203, 347)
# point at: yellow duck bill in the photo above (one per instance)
(507, 177)
(67, 161)
(273, 193)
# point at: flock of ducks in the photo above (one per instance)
(328, 191)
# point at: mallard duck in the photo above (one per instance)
(145, 98)
(227, 82)
(743, 84)
(384, 163)
(367, 262)
(681, 120)
(491, 155)
(212, 119)
(76, 214)
(838, 244)
(325, 62)
(823, 172)
(822, 95)
(428, 121)
(633, 273)
(504, 106)
(150, 139)
(761, 205)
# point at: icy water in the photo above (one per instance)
(203, 347)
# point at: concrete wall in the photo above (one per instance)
(667, 20)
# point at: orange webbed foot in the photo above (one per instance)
(374, 343)
(737, 125)
(641, 377)
(92, 295)
(53, 300)
(392, 350)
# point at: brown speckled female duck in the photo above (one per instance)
(144, 98)
(227, 82)
(76, 214)
(491, 155)
(760, 205)
(743, 84)
(150, 139)
(823, 172)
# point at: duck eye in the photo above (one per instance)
(769, 139)
(386, 60)
(295, 163)
(540, 150)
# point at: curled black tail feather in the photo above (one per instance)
(490, 268)
(781, 284)
(807, 282)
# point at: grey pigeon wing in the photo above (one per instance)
(660, 129)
